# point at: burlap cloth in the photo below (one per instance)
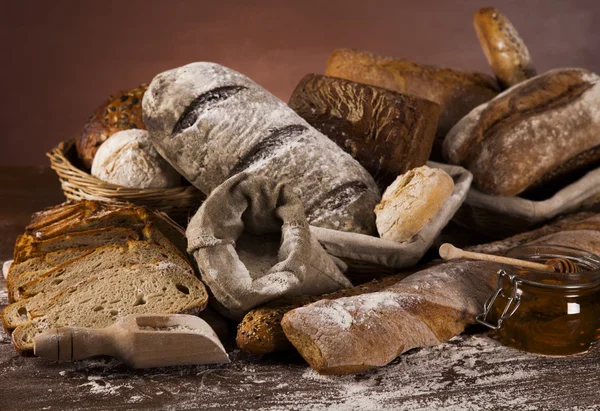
(262, 221)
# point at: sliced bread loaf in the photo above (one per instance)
(36, 296)
(111, 294)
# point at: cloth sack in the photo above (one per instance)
(387, 253)
(252, 244)
(582, 194)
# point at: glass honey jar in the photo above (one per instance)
(545, 312)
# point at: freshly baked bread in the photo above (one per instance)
(129, 159)
(388, 133)
(212, 123)
(411, 201)
(539, 130)
(455, 91)
(505, 51)
(108, 295)
(122, 111)
(30, 282)
(260, 330)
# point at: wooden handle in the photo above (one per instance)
(449, 252)
(70, 343)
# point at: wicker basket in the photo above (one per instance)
(179, 202)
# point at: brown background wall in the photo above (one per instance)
(61, 58)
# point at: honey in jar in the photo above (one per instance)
(543, 312)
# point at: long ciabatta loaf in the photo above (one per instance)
(352, 334)
(429, 307)
(211, 123)
(537, 131)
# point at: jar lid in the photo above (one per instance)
(589, 263)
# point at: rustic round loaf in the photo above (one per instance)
(542, 129)
(411, 201)
(122, 111)
(129, 159)
(505, 51)
(211, 123)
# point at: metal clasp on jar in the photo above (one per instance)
(513, 300)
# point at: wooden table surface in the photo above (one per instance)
(469, 372)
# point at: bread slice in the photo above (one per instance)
(111, 294)
(28, 246)
(44, 262)
(43, 290)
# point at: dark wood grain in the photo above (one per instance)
(470, 372)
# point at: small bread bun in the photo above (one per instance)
(129, 159)
(411, 201)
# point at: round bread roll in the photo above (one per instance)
(411, 201)
(122, 111)
(129, 159)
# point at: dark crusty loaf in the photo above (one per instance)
(540, 129)
(455, 91)
(504, 49)
(212, 123)
(122, 111)
(388, 133)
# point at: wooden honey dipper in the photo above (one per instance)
(561, 265)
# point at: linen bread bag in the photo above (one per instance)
(211, 123)
(252, 244)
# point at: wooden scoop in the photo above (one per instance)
(139, 340)
(449, 252)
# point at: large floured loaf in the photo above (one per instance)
(211, 123)
(535, 132)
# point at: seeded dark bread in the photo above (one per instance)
(388, 133)
(123, 111)
(212, 123)
(537, 131)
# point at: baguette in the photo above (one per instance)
(353, 334)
